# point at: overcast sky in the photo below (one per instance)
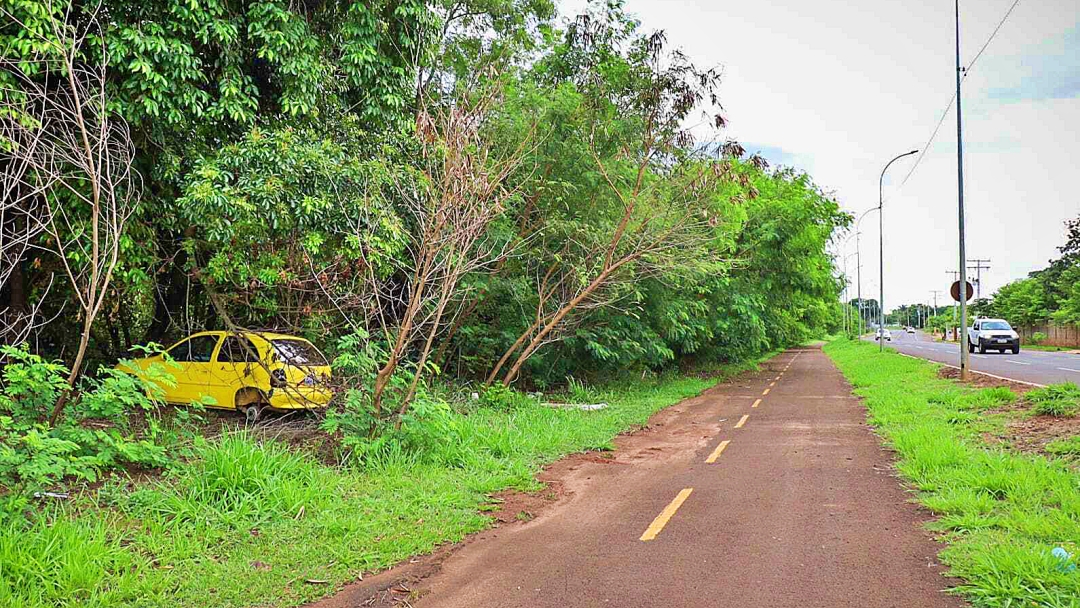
(837, 88)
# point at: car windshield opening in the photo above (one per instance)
(995, 325)
(298, 352)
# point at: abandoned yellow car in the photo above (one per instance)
(247, 371)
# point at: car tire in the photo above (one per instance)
(251, 409)
(971, 347)
(252, 413)
(1016, 350)
(982, 347)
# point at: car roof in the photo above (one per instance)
(265, 335)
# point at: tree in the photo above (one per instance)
(651, 213)
(461, 188)
(1021, 302)
(67, 145)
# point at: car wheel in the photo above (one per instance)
(252, 413)
(251, 403)
(982, 347)
(971, 347)
(1016, 350)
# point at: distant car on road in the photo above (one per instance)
(884, 333)
(996, 334)
(911, 330)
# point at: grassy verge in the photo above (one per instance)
(1052, 349)
(243, 523)
(1001, 512)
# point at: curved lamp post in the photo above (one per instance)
(881, 244)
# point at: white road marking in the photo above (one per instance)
(1016, 362)
(975, 371)
(1069, 369)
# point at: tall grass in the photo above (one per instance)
(1056, 399)
(1000, 512)
(244, 523)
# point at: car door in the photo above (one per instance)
(193, 357)
(233, 369)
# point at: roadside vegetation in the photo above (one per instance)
(1051, 294)
(242, 520)
(1001, 511)
(446, 197)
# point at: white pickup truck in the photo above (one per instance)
(995, 334)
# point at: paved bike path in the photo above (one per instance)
(800, 508)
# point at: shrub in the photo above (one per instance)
(1038, 338)
(426, 429)
(96, 433)
(501, 397)
(579, 392)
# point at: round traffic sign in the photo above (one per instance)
(955, 290)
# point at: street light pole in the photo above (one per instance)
(964, 359)
(847, 292)
(858, 263)
(858, 280)
(881, 240)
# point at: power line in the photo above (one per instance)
(988, 40)
(952, 100)
(930, 141)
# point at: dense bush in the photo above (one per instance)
(111, 423)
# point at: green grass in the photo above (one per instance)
(1000, 512)
(1055, 400)
(1048, 348)
(243, 523)
(1065, 447)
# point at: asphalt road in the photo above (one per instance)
(1037, 367)
(767, 491)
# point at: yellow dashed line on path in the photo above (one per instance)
(741, 421)
(756, 403)
(661, 520)
(716, 453)
(772, 384)
(765, 393)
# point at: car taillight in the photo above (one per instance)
(277, 378)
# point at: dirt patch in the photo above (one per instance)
(390, 588)
(977, 380)
(1034, 433)
(1024, 432)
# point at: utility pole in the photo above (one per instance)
(936, 292)
(978, 267)
(964, 359)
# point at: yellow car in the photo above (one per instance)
(247, 371)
